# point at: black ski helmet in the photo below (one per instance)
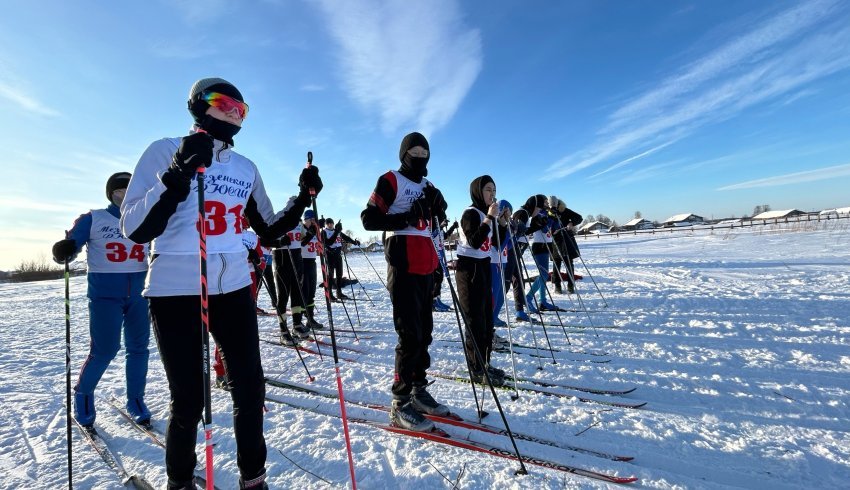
(116, 181)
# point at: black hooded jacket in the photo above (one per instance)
(474, 228)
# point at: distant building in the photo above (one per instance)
(637, 224)
(782, 214)
(835, 213)
(373, 247)
(593, 227)
(686, 219)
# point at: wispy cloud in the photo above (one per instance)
(25, 102)
(633, 158)
(780, 56)
(793, 178)
(410, 63)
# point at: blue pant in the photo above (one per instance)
(542, 263)
(497, 284)
(106, 317)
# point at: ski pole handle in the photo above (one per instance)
(310, 164)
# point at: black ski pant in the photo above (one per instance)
(289, 269)
(233, 324)
(474, 291)
(334, 258)
(414, 323)
(515, 263)
(309, 285)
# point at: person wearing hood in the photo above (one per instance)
(528, 220)
(404, 206)
(161, 206)
(474, 279)
(501, 269)
(116, 275)
(565, 247)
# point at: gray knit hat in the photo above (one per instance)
(199, 107)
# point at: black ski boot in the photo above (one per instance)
(423, 402)
(403, 414)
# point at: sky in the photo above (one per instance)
(615, 107)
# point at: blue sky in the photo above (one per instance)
(660, 107)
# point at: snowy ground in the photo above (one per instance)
(739, 342)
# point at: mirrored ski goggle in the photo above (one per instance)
(224, 103)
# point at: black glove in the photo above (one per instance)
(64, 250)
(196, 150)
(279, 242)
(418, 211)
(310, 179)
(338, 226)
(321, 223)
(357, 242)
(435, 199)
(254, 257)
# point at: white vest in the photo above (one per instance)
(228, 186)
(295, 235)
(108, 251)
(463, 247)
(336, 243)
(407, 192)
(309, 251)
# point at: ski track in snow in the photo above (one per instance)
(739, 342)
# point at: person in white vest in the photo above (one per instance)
(162, 206)
(474, 280)
(404, 205)
(116, 276)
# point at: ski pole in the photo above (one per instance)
(519, 269)
(522, 470)
(353, 296)
(539, 314)
(352, 274)
(515, 396)
(205, 329)
(68, 369)
(592, 279)
(458, 314)
(298, 352)
(303, 302)
(323, 260)
(373, 268)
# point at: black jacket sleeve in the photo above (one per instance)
(375, 217)
(476, 231)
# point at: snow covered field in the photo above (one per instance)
(738, 341)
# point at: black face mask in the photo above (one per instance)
(415, 166)
(220, 130)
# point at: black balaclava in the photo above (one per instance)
(220, 130)
(414, 168)
(116, 181)
(476, 192)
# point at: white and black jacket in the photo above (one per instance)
(163, 210)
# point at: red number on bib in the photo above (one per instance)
(118, 252)
(216, 213)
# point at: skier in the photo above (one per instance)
(501, 277)
(528, 222)
(161, 205)
(116, 276)
(567, 220)
(309, 248)
(532, 215)
(332, 238)
(474, 280)
(289, 272)
(401, 205)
